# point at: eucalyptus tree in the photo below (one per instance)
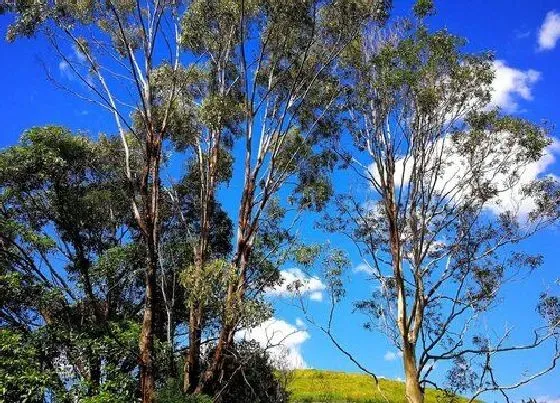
(435, 225)
(274, 86)
(264, 73)
(69, 272)
(125, 55)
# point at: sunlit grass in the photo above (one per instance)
(312, 385)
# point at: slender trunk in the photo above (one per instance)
(147, 381)
(196, 315)
(192, 375)
(235, 295)
(196, 308)
(94, 374)
(149, 191)
(414, 392)
(170, 341)
(93, 308)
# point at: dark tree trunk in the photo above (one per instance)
(149, 193)
(147, 373)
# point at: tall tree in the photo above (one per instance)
(267, 73)
(69, 270)
(210, 31)
(274, 82)
(118, 47)
(430, 227)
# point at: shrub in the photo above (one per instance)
(172, 393)
(248, 376)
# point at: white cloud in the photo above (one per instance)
(392, 356)
(549, 32)
(282, 340)
(316, 296)
(455, 176)
(522, 34)
(547, 399)
(296, 282)
(510, 85)
(362, 268)
(514, 199)
(300, 322)
(64, 69)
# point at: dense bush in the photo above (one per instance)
(248, 376)
(172, 393)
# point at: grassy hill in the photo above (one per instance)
(312, 385)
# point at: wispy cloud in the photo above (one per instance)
(362, 268)
(296, 282)
(392, 356)
(65, 70)
(79, 55)
(548, 399)
(549, 33)
(522, 34)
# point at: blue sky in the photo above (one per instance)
(528, 82)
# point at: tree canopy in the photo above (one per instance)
(125, 277)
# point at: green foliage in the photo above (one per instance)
(174, 107)
(23, 376)
(217, 111)
(208, 24)
(72, 256)
(70, 296)
(306, 254)
(215, 273)
(422, 8)
(248, 376)
(172, 392)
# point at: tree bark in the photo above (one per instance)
(147, 378)
(235, 295)
(414, 392)
(149, 192)
(208, 176)
(192, 374)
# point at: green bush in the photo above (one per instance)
(247, 376)
(172, 393)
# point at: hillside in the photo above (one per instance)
(312, 385)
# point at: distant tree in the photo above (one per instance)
(433, 162)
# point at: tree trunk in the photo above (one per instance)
(215, 365)
(235, 296)
(196, 315)
(149, 224)
(170, 342)
(147, 381)
(414, 392)
(94, 373)
(192, 375)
